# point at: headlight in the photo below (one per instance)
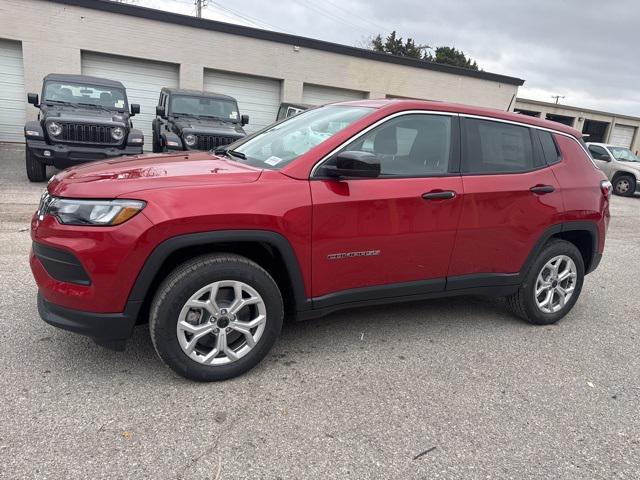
(117, 133)
(54, 129)
(190, 139)
(90, 212)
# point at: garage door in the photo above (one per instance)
(622, 135)
(319, 95)
(13, 99)
(143, 80)
(258, 97)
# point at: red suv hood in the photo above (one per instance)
(124, 175)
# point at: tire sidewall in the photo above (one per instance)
(172, 297)
(36, 170)
(552, 250)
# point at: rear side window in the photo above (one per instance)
(549, 147)
(496, 147)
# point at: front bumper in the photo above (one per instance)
(110, 330)
(63, 156)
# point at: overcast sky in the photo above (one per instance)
(586, 50)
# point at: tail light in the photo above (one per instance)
(606, 188)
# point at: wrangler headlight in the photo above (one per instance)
(54, 129)
(91, 212)
(117, 133)
(190, 139)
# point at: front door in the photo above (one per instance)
(394, 233)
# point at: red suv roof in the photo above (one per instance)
(394, 105)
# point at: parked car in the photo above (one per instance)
(341, 206)
(196, 120)
(81, 119)
(620, 165)
(287, 110)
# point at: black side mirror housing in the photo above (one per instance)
(32, 98)
(135, 109)
(244, 120)
(160, 112)
(354, 164)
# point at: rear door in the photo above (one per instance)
(395, 229)
(511, 197)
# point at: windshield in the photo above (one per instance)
(623, 154)
(112, 98)
(204, 107)
(286, 141)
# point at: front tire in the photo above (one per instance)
(216, 317)
(551, 286)
(36, 170)
(624, 185)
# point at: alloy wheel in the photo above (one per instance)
(555, 284)
(221, 322)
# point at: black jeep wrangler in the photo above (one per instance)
(196, 120)
(81, 119)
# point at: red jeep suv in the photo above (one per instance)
(351, 204)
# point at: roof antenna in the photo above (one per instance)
(512, 99)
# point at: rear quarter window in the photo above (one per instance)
(549, 147)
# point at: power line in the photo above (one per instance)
(356, 16)
(244, 16)
(334, 17)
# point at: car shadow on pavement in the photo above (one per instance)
(423, 320)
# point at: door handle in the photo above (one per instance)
(439, 195)
(542, 189)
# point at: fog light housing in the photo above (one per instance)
(46, 153)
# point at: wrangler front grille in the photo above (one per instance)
(211, 142)
(87, 133)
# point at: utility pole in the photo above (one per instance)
(557, 97)
(200, 4)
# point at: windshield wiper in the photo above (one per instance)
(101, 107)
(235, 153)
(56, 102)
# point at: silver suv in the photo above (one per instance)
(620, 165)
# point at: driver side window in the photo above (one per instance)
(415, 145)
(598, 153)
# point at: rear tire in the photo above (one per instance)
(36, 170)
(561, 293)
(624, 185)
(206, 336)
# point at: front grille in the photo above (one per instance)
(211, 142)
(87, 133)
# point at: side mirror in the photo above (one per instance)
(160, 112)
(135, 109)
(32, 98)
(354, 164)
(244, 119)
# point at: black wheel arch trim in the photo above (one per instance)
(570, 226)
(162, 251)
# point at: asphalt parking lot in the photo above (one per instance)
(358, 394)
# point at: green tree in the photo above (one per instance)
(452, 56)
(396, 45)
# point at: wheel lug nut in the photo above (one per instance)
(215, 330)
(228, 329)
